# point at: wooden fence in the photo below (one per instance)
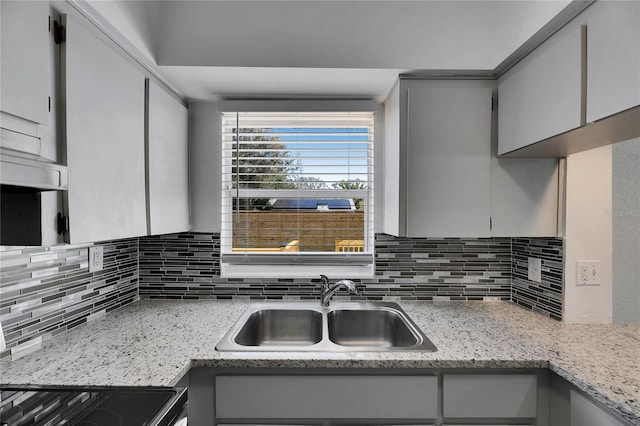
(314, 230)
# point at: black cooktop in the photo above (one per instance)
(82, 407)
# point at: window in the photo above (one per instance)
(297, 191)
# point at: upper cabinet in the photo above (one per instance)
(24, 60)
(167, 162)
(437, 162)
(542, 95)
(441, 177)
(104, 101)
(613, 57)
(126, 143)
(587, 72)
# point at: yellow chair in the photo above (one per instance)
(350, 246)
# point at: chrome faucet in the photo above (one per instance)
(327, 291)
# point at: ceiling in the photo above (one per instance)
(308, 48)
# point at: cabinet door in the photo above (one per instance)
(448, 149)
(167, 162)
(490, 396)
(541, 96)
(24, 59)
(613, 58)
(326, 397)
(104, 108)
(586, 413)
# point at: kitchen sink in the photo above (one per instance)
(375, 328)
(341, 327)
(277, 327)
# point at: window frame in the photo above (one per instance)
(299, 264)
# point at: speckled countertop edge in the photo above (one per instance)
(154, 343)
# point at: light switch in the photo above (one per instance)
(534, 272)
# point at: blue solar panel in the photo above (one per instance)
(311, 204)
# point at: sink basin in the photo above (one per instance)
(277, 327)
(376, 328)
(341, 327)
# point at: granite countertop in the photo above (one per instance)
(154, 343)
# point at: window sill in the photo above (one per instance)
(231, 270)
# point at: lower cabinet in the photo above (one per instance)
(367, 396)
(331, 397)
(386, 397)
(490, 396)
(571, 407)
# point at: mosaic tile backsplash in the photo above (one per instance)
(186, 266)
(544, 297)
(45, 291)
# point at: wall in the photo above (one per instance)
(588, 234)
(626, 232)
(45, 291)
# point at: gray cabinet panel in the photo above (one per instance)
(282, 397)
(490, 396)
(586, 413)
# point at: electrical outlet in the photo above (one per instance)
(96, 258)
(534, 271)
(588, 272)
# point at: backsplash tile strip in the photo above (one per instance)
(545, 297)
(187, 265)
(48, 290)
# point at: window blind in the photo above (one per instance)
(297, 186)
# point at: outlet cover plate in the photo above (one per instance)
(534, 270)
(96, 258)
(588, 272)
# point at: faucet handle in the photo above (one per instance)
(324, 281)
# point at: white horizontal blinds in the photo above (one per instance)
(297, 182)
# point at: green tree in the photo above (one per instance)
(264, 164)
(352, 184)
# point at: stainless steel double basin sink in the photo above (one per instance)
(341, 327)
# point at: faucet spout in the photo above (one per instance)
(327, 291)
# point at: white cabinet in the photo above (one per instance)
(105, 115)
(448, 141)
(24, 60)
(441, 179)
(613, 57)
(437, 165)
(167, 162)
(587, 71)
(542, 95)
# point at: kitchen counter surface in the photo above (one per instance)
(154, 343)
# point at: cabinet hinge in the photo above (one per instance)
(492, 103)
(490, 223)
(59, 33)
(49, 23)
(62, 223)
(49, 103)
